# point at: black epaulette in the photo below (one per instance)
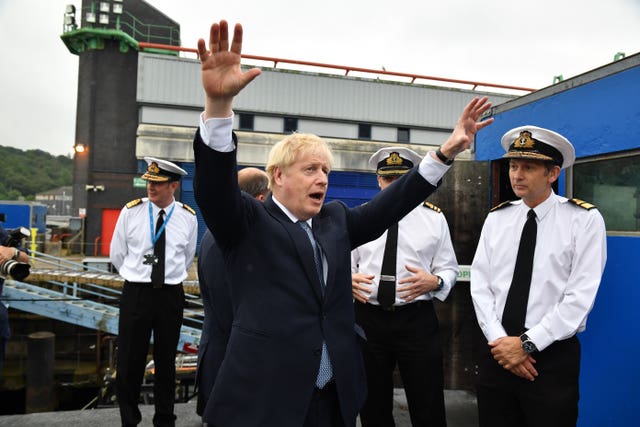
(189, 208)
(133, 203)
(501, 205)
(431, 206)
(582, 204)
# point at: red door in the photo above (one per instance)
(109, 219)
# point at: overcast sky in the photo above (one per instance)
(511, 42)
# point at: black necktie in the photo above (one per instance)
(387, 283)
(515, 309)
(157, 271)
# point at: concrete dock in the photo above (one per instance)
(461, 412)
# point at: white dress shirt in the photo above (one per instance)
(132, 240)
(569, 259)
(423, 242)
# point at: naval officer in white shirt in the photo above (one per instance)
(394, 280)
(534, 280)
(153, 245)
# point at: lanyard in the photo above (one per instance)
(154, 236)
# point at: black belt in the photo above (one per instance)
(149, 284)
(411, 306)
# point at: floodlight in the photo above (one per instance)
(68, 20)
(90, 17)
(117, 9)
(70, 9)
(104, 19)
(80, 148)
(104, 6)
(118, 1)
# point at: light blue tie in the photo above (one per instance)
(326, 371)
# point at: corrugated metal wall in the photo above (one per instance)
(176, 82)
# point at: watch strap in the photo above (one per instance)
(447, 161)
(527, 345)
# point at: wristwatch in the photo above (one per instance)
(527, 345)
(447, 161)
(440, 283)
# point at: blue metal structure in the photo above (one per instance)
(70, 300)
(353, 188)
(24, 214)
(599, 112)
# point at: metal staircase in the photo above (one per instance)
(88, 296)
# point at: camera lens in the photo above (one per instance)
(17, 270)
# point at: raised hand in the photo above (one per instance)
(467, 127)
(222, 77)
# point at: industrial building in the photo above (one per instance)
(132, 103)
(139, 94)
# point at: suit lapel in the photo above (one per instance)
(322, 234)
(301, 243)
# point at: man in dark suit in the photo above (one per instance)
(293, 358)
(216, 298)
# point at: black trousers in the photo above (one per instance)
(409, 338)
(551, 400)
(144, 309)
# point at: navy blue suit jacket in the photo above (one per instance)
(281, 316)
(214, 290)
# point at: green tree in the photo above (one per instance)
(25, 173)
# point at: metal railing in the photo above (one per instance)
(73, 292)
(129, 24)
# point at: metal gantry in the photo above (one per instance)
(88, 296)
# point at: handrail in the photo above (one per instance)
(346, 69)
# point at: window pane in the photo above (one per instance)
(613, 185)
(403, 134)
(290, 124)
(246, 121)
(364, 131)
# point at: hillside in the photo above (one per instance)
(25, 173)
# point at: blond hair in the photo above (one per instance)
(286, 151)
